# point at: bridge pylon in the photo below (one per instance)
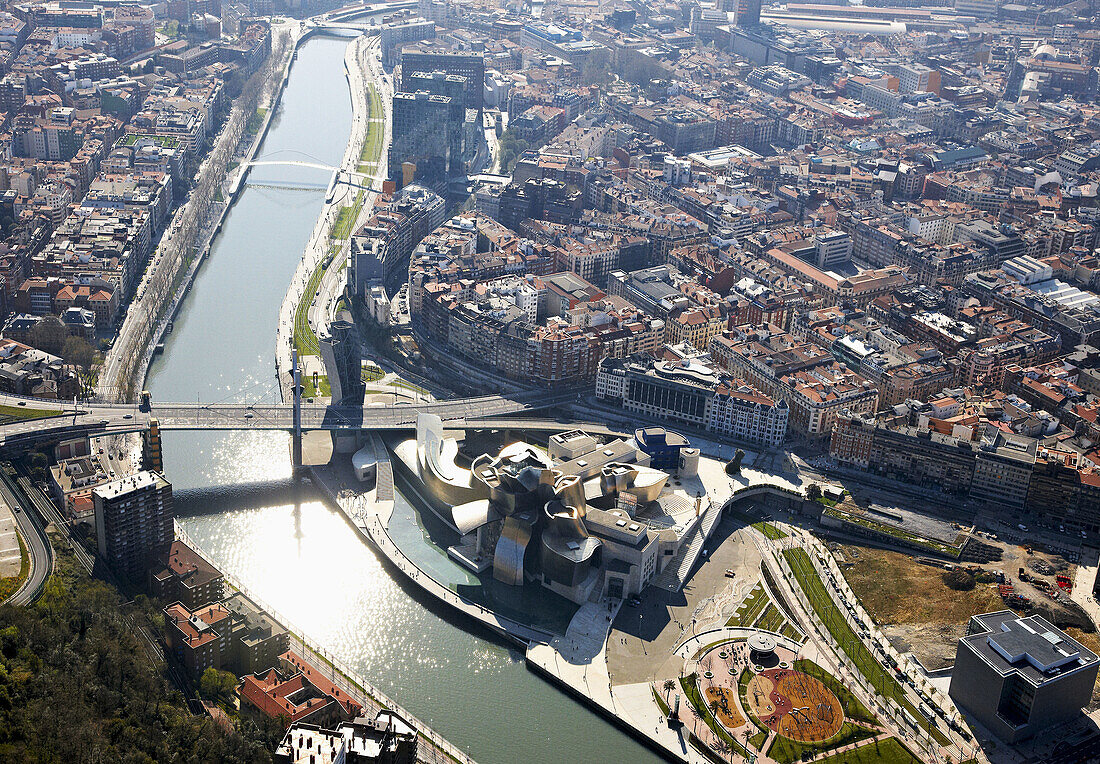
(296, 443)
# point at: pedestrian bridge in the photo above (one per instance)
(289, 163)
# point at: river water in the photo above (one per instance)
(236, 498)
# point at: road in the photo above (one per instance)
(109, 419)
(155, 288)
(360, 58)
(33, 530)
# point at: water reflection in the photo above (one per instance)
(237, 499)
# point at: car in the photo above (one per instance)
(104, 422)
(22, 403)
(249, 415)
(730, 573)
(128, 416)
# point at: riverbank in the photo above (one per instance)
(163, 287)
(576, 660)
(373, 700)
(319, 251)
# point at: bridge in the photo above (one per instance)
(115, 419)
(339, 176)
(290, 163)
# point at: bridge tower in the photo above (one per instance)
(296, 445)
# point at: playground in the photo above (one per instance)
(754, 693)
(794, 705)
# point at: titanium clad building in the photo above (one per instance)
(1020, 675)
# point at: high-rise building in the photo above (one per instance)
(133, 521)
(425, 133)
(462, 63)
(748, 13)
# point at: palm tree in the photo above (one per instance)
(723, 747)
(667, 687)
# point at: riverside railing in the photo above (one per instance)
(352, 680)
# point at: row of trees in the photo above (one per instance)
(177, 252)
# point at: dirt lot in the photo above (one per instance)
(919, 613)
(917, 610)
(1092, 642)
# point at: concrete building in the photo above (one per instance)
(133, 522)
(693, 393)
(197, 638)
(462, 63)
(1018, 676)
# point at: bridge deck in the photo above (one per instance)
(120, 418)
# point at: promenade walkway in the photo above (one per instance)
(434, 748)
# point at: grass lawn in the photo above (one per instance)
(19, 413)
(750, 608)
(342, 227)
(791, 632)
(661, 704)
(853, 709)
(770, 531)
(770, 619)
(254, 121)
(372, 144)
(309, 390)
(858, 654)
(10, 585)
(757, 740)
(888, 751)
(787, 751)
(304, 338)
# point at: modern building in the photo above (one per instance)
(427, 139)
(133, 521)
(1018, 676)
(255, 639)
(694, 393)
(462, 63)
(584, 518)
(747, 13)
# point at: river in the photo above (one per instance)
(236, 498)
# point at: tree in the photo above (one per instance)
(48, 335)
(78, 352)
(217, 685)
(667, 686)
(813, 492)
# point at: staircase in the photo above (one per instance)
(678, 569)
